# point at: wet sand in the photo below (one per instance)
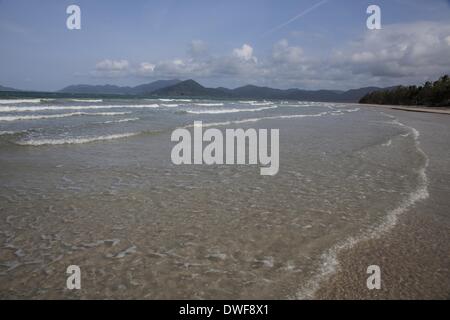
(426, 110)
(444, 110)
(414, 261)
(414, 256)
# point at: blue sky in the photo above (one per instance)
(223, 43)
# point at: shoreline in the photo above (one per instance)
(410, 259)
(444, 110)
(412, 255)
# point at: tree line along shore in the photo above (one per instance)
(431, 94)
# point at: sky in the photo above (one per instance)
(306, 44)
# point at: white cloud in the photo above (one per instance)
(403, 50)
(181, 68)
(448, 40)
(146, 69)
(363, 57)
(112, 65)
(397, 54)
(111, 68)
(283, 53)
(245, 53)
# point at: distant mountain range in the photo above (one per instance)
(141, 90)
(2, 88)
(192, 89)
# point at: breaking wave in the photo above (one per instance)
(14, 101)
(4, 133)
(44, 108)
(225, 123)
(41, 142)
(121, 120)
(170, 100)
(234, 110)
(87, 100)
(55, 116)
(209, 104)
(256, 103)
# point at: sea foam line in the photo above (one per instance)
(75, 140)
(120, 121)
(2, 133)
(54, 116)
(86, 100)
(225, 123)
(170, 100)
(43, 108)
(329, 260)
(256, 103)
(233, 110)
(8, 101)
(209, 104)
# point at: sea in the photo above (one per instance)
(90, 182)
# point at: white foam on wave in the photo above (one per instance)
(121, 120)
(42, 142)
(2, 133)
(291, 105)
(91, 107)
(87, 100)
(339, 112)
(261, 103)
(329, 260)
(232, 122)
(170, 100)
(209, 104)
(172, 105)
(14, 101)
(256, 103)
(55, 116)
(234, 110)
(106, 113)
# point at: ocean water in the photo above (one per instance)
(91, 183)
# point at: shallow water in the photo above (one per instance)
(91, 183)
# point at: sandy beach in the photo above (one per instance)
(413, 256)
(443, 110)
(414, 261)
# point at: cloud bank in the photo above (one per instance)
(401, 53)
